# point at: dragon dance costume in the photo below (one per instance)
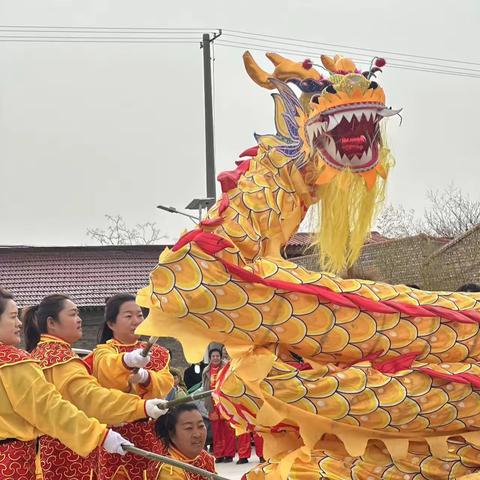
(30, 406)
(389, 385)
(168, 472)
(222, 433)
(111, 372)
(72, 378)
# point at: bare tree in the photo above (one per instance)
(450, 213)
(397, 222)
(117, 232)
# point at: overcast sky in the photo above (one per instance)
(88, 129)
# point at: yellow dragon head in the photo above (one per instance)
(333, 134)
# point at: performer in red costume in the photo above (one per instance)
(112, 363)
(30, 406)
(244, 447)
(182, 435)
(223, 434)
(50, 329)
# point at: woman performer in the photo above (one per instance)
(112, 365)
(183, 434)
(30, 406)
(50, 329)
(223, 433)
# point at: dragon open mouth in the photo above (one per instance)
(348, 136)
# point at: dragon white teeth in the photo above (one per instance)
(315, 130)
(358, 115)
(331, 148)
(311, 129)
(348, 115)
(333, 121)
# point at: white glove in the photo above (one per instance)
(135, 359)
(141, 376)
(113, 443)
(154, 408)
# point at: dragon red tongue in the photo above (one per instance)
(351, 146)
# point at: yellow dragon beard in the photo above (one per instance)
(345, 214)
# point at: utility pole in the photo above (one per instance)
(209, 138)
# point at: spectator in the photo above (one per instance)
(179, 389)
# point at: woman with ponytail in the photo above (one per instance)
(113, 361)
(50, 330)
(182, 434)
(30, 406)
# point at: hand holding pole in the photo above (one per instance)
(146, 350)
(170, 461)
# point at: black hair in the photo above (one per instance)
(35, 318)
(469, 287)
(4, 298)
(214, 349)
(166, 424)
(112, 308)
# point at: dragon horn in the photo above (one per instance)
(285, 70)
(259, 76)
(277, 59)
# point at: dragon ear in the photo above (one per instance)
(338, 64)
(328, 63)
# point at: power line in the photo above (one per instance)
(374, 51)
(369, 56)
(231, 32)
(43, 27)
(63, 33)
(390, 65)
(95, 38)
(261, 42)
(107, 40)
(262, 48)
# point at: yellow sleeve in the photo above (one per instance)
(40, 404)
(109, 369)
(83, 390)
(159, 385)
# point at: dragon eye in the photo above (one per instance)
(373, 85)
(330, 89)
(315, 99)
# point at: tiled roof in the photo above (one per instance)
(87, 274)
(303, 239)
(451, 242)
